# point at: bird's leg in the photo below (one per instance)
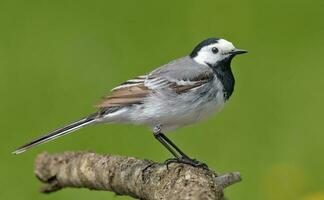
(165, 138)
(157, 134)
(183, 158)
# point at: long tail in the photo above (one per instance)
(58, 133)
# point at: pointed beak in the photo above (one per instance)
(237, 51)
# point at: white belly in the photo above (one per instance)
(171, 110)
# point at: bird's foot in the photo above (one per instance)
(186, 160)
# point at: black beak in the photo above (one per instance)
(237, 51)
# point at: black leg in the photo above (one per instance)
(183, 158)
(174, 146)
(165, 144)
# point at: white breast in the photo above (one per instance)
(172, 110)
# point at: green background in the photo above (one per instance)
(57, 58)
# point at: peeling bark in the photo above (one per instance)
(141, 179)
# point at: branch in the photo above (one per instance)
(141, 179)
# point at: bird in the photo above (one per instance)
(174, 95)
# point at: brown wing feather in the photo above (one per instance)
(179, 89)
(125, 96)
(135, 92)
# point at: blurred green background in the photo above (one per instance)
(57, 58)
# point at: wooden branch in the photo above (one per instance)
(141, 179)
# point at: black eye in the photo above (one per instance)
(214, 50)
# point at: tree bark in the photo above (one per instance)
(141, 179)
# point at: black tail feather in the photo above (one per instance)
(57, 133)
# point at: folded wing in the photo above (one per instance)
(173, 76)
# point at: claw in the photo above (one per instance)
(188, 161)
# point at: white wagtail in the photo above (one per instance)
(176, 94)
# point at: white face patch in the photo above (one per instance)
(206, 54)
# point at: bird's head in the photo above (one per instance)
(214, 50)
